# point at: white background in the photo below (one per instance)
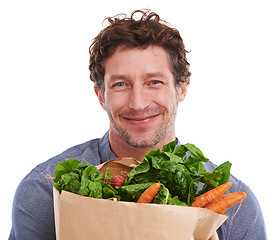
(48, 103)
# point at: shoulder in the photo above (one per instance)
(42, 173)
(85, 152)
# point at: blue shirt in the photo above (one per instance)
(33, 212)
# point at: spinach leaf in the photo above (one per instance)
(89, 180)
(69, 182)
(217, 177)
(68, 175)
(141, 168)
(224, 168)
(180, 151)
(162, 197)
(169, 147)
(108, 191)
(196, 152)
(107, 174)
(195, 165)
(175, 201)
(95, 189)
(66, 167)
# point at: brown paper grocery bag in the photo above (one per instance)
(79, 217)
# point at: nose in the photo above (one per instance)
(139, 98)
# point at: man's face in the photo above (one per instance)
(140, 95)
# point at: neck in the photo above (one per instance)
(122, 149)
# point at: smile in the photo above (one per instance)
(141, 119)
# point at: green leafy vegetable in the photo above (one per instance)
(82, 179)
(179, 169)
(68, 175)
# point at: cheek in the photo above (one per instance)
(165, 98)
(114, 102)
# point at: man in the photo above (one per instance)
(141, 73)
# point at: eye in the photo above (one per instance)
(155, 82)
(119, 84)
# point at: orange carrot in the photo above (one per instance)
(226, 201)
(210, 195)
(149, 193)
(215, 200)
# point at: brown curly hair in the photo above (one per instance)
(132, 33)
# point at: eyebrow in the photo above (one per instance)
(146, 76)
(155, 74)
(118, 76)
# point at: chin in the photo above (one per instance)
(143, 141)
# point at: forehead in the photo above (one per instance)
(150, 60)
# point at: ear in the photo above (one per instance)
(100, 97)
(182, 90)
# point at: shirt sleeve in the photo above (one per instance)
(245, 221)
(32, 211)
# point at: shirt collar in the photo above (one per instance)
(104, 149)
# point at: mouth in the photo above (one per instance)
(137, 120)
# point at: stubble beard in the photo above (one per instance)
(146, 141)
